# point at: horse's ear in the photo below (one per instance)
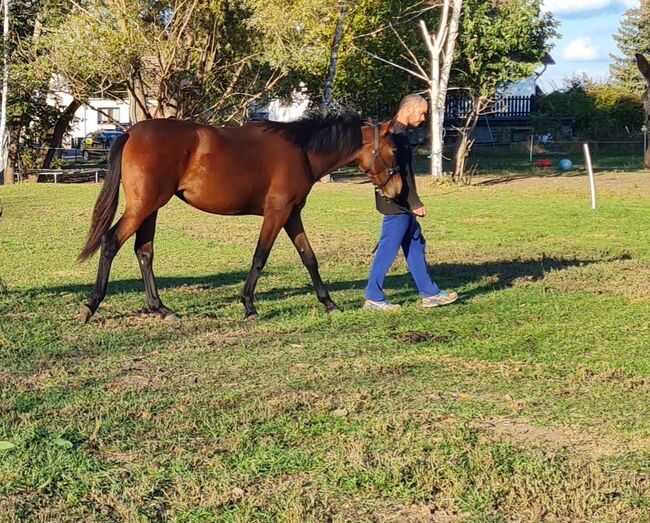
(384, 127)
(643, 65)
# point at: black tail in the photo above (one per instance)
(106, 204)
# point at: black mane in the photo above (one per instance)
(322, 135)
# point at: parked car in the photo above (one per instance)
(98, 143)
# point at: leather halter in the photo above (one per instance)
(375, 156)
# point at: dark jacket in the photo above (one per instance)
(408, 198)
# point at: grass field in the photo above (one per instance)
(526, 401)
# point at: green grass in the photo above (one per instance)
(526, 401)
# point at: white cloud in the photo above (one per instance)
(581, 50)
(559, 7)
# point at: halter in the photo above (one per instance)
(375, 156)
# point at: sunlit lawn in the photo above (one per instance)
(526, 401)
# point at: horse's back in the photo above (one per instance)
(222, 170)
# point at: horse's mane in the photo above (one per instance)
(322, 135)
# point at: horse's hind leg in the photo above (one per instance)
(144, 252)
(111, 244)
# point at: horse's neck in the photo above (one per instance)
(323, 164)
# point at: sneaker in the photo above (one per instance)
(383, 305)
(442, 298)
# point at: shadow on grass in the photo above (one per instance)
(483, 277)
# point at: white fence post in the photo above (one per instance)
(590, 172)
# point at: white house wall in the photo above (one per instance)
(87, 118)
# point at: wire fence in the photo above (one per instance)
(71, 165)
(534, 148)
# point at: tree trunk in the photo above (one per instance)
(62, 125)
(439, 76)
(461, 154)
(334, 54)
(464, 143)
(137, 99)
(12, 153)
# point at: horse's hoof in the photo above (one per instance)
(85, 314)
(333, 310)
(170, 316)
(251, 318)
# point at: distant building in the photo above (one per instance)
(102, 115)
(278, 110)
(509, 120)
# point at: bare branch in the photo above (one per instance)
(415, 61)
(398, 20)
(417, 75)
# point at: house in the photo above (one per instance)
(278, 110)
(99, 115)
(509, 120)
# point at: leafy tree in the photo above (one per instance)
(205, 60)
(633, 37)
(31, 119)
(599, 111)
(301, 33)
(500, 41)
(379, 33)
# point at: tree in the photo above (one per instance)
(500, 41)
(377, 63)
(29, 115)
(203, 60)
(440, 47)
(633, 37)
(334, 50)
(599, 111)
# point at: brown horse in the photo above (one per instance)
(260, 168)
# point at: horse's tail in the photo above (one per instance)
(106, 204)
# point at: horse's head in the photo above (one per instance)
(377, 159)
(644, 67)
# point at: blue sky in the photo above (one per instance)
(587, 28)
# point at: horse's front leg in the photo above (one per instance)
(296, 232)
(274, 220)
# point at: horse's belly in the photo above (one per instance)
(221, 201)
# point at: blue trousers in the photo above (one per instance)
(400, 230)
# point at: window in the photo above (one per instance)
(113, 112)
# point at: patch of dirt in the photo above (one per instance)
(607, 181)
(520, 431)
(417, 514)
